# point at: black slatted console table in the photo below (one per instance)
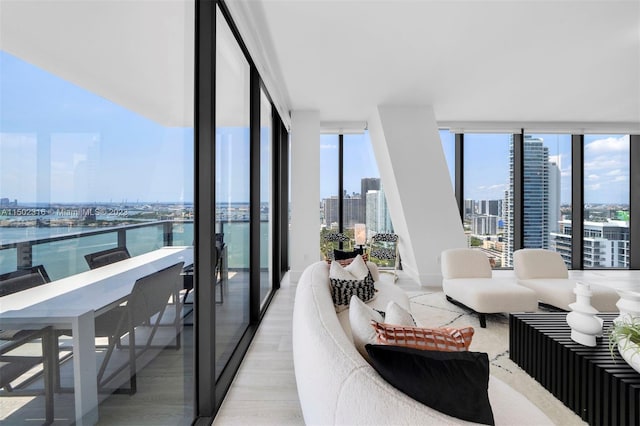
(586, 379)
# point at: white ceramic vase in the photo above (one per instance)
(628, 304)
(630, 352)
(585, 325)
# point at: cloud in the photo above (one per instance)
(594, 187)
(608, 145)
(328, 146)
(593, 177)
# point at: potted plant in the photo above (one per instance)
(625, 336)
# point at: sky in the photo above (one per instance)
(606, 166)
(486, 164)
(62, 144)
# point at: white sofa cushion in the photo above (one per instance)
(360, 316)
(396, 314)
(356, 270)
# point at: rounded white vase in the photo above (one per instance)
(630, 352)
(585, 325)
(628, 304)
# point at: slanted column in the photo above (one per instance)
(420, 197)
(305, 191)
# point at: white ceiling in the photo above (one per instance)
(504, 62)
(136, 53)
(508, 62)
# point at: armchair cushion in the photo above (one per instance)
(538, 263)
(465, 263)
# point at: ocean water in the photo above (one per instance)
(66, 257)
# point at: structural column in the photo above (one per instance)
(420, 197)
(305, 191)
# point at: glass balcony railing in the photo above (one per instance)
(63, 255)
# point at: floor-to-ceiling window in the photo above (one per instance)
(329, 188)
(348, 167)
(543, 188)
(547, 193)
(606, 201)
(488, 195)
(363, 195)
(96, 155)
(266, 197)
(232, 139)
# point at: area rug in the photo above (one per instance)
(431, 309)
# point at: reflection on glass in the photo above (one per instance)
(606, 201)
(112, 177)
(266, 200)
(488, 195)
(232, 194)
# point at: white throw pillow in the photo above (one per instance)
(360, 316)
(339, 272)
(358, 268)
(397, 315)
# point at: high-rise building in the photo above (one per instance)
(554, 197)
(606, 244)
(536, 198)
(352, 211)
(372, 198)
(485, 224)
(331, 211)
(490, 207)
(469, 208)
(366, 185)
(378, 219)
(384, 219)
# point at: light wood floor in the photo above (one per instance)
(264, 389)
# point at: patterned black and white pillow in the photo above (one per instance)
(342, 290)
(389, 238)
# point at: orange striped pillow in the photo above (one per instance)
(444, 339)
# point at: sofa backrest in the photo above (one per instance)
(464, 263)
(335, 383)
(538, 263)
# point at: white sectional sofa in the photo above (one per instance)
(337, 386)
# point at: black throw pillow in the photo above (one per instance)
(343, 255)
(454, 383)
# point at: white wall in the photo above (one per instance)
(305, 191)
(420, 196)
